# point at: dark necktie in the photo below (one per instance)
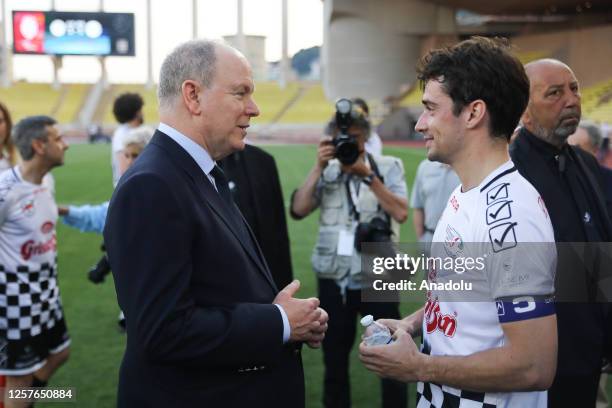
(222, 185)
(236, 217)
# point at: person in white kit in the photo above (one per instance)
(127, 109)
(33, 333)
(494, 345)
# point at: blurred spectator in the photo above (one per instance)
(588, 138)
(8, 152)
(96, 135)
(91, 218)
(372, 188)
(373, 144)
(255, 185)
(433, 185)
(127, 109)
(570, 184)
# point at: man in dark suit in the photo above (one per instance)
(255, 186)
(568, 180)
(206, 325)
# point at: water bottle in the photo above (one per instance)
(375, 334)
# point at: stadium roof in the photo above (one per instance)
(529, 7)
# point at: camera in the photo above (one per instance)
(98, 272)
(346, 148)
(377, 230)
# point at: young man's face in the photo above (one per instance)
(442, 129)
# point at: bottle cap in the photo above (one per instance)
(367, 320)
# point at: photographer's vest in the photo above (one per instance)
(335, 215)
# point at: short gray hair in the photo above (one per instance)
(592, 130)
(139, 136)
(29, 129)
(195, 60)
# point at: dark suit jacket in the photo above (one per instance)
(201, 329)
(582, 327)
(257, 191)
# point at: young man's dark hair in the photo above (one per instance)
(127, 106)
(474, 69)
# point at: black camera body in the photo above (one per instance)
(346, 148)
(377, 230)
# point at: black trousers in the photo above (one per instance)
(339, 340)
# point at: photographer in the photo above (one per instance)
(357, 195)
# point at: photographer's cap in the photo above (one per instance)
(367, 320)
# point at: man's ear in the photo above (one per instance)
(526, 117)
(38, 146)
(190, 91)
(476, 113)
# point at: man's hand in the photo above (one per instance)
(411, 326)
(306, 319)
(318, 334)
(359, 168)
(62, 210)
(400, 360)
(325, 152)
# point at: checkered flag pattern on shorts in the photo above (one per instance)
(29, 301)
(431, 395)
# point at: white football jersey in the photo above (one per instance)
(503, 226)
(29, 295)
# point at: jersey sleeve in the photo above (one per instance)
(521, 259)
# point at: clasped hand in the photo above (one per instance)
(307, 320)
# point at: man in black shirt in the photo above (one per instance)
(255, 186)
(569, 181)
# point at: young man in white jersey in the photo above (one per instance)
(34, 340)
(496, 345)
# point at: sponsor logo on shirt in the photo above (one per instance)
(47, 227)
(542, 206)
(31, 248)
(453, 244)
(435, 320)
(454, 203)
(27, 208)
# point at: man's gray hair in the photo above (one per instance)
(195, 60)
(29, 129)
(595, 137)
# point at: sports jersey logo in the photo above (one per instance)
(31, 248)
(47, 227)
(499, 211)
(542, 206)
(500, 308)
(498, 192)
(435, 320)
(27, 208)
(454, 203)
(453, 245)
(503, 236)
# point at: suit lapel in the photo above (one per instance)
(210, 196)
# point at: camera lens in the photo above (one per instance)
(347, 150)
